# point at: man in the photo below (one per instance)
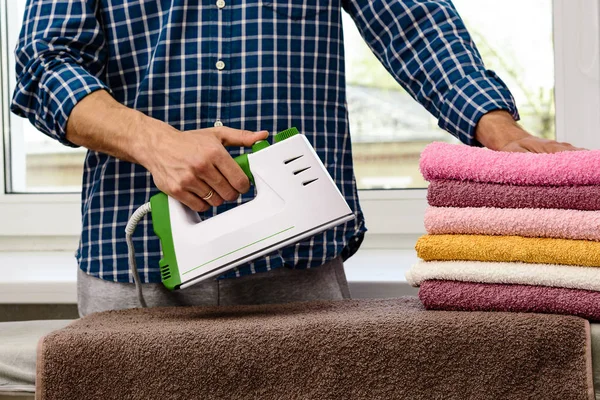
(156, 89)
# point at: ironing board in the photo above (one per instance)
(18, 343)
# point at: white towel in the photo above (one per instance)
(18, 352)
(587, 278)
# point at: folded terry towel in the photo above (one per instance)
(508, 248)
(463, 163)
(365, 349)
(470, 296)
(509, 273)
(474, 194)
(595, 329)
(536, 222)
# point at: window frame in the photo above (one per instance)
(577, 73)
(394, 217)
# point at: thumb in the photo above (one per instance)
(238, 137)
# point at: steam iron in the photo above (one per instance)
(296, 198)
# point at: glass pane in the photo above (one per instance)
(389, 129)
(37, 163)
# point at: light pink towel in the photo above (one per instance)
(458, 162)
(470, 296)
(529, 222)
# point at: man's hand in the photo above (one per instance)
(497, 130)
(184, 165)
(188, 165)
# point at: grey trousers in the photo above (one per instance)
(282, 285)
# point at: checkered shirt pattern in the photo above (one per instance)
(283, 66)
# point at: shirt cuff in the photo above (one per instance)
(59, 90)
(471, 98)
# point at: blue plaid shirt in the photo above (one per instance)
(282, 65)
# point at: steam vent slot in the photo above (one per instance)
(309, 182)
(165, 272)
(293, 159)
(301, 170)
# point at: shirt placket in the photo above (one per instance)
(222, 61)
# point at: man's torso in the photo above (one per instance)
(248, 65)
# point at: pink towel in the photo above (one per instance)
(474, 194)
(469, 296)
(528, 222)
(458, 162)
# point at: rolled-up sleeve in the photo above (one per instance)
(425, 46)
(60, 58)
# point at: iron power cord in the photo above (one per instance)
(133, 222)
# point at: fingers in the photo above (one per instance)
(196, 164)
(233, 174)
(213, 178)
(195, 192)
(556, 147)
(570, 147)
(228, 179)
(518, 149)
(193, 197)
(237, 137)
(211, 167)
(190, 191)
(191, 200)
(514, 147)
(226, 165)
(539, 145)
(202, 190)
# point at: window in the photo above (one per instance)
(389, 129)
(36, 163)
(549, 57)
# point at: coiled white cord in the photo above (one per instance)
(134, 220)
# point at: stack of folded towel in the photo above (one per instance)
(510, 231)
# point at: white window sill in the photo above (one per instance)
(50, 277)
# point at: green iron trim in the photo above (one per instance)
(242, 161)
(288, 133)
(161, 222)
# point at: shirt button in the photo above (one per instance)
(220, 65)
(218, 123)
(220, 3)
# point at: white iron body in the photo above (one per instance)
(289, 206)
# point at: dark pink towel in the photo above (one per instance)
(473, 194)
(472, 296)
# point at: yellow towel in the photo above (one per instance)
(508, 249)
